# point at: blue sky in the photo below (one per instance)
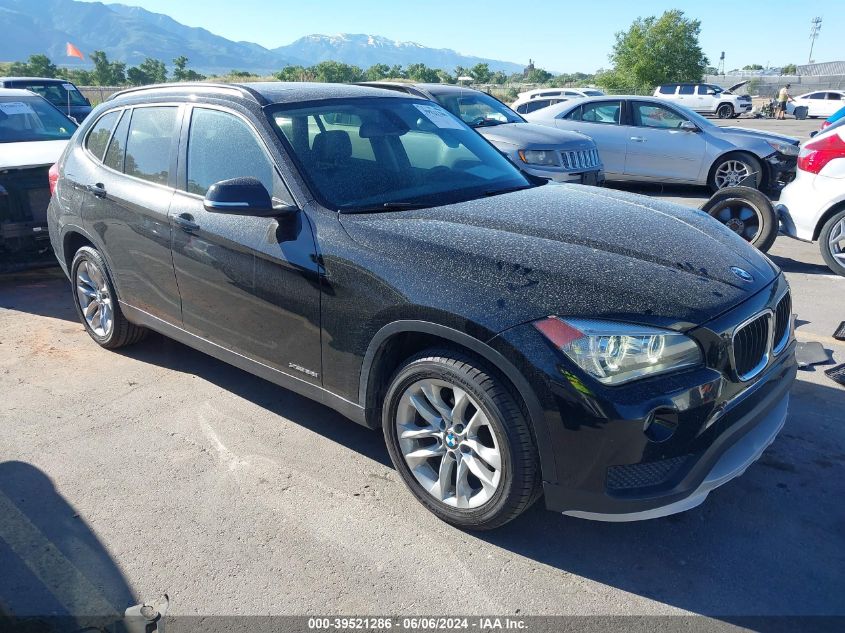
(561, 36)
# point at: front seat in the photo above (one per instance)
(331, 149)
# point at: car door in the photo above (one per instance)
(601, 120)
(658, 148)
(127, 203)
(249, 284)
(705, 99)
(815, 103)
(832, 103)
(687, 97)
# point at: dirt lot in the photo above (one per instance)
(158, 469)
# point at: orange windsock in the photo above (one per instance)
(72, 51)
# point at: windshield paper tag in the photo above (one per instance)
(69, 87)
(11, 108)
(440, 118)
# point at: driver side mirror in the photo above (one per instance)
(243, 196)
(689, 126)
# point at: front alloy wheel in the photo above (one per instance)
(448, 443)
(459, 440)
(733, 169)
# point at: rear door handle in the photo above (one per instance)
(185, 221)
(98, 190)
(638, 139)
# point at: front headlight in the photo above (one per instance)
(539, 157)
(614, 353)
(787, 149)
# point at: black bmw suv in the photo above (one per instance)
(620, 356)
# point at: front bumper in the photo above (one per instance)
(780, 170)
(603, 451)
(593, 177)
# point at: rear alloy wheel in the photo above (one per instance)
(725, 111)
(96, 303)
(459, 441)
(832, 243)
(731, 170)
(747, 212)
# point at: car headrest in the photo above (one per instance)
(332, 147)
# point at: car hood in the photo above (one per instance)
(30, 154)
(745, 133)
(566, 250)
(527, 135)
(737, 86)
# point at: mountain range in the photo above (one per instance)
(131, 34)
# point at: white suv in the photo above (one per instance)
(812, 207)
(707, 98)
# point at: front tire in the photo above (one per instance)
(725, 111)
(832, 243)
(732, 169)
(747, 212)
(459, 441)
(96, 302)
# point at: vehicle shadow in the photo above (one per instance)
(43, 292)
(770, 543)
(790, 265)
(164, 352)
(56, 575)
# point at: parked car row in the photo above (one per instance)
(512, 339)
(60, 92)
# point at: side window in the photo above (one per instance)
(222, 146)
(537, 104)
(574, 115)
(148, 146)
(99, 135)
(655, 115)
(686, 89)
(115, 153)
(668, 90)
(522, 109)
(834, 96)
(816, 95)
(607, 112)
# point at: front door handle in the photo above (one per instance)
(185, 221)
(638, 139)
(98, 190)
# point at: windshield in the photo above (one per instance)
(60, 94)
(380, 153)
(32, 119)
(478, 109)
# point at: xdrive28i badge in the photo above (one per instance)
(742, 274)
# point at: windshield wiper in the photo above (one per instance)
(387, 206)
(490, 122)
(496, 192)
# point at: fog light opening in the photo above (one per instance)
(661, 425)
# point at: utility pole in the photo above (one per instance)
(815, 27)
(721, 70)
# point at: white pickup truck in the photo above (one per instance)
(707, 98)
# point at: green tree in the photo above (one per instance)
(181, 72)
(538, 76)
(397, 72)
(460, 71)
(294, 73)
(445, 77)
(377, 72)
(337, 72)
(422, 73)
(41, 66)
(752, 67)
(711, 70)
(499, 77)
(656, 50)
(481, 73)
(150, 71)
(789, 69)
(107, 73)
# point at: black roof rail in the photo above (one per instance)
(236, 88)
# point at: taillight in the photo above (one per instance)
(53, 177)
(825, 124)
(818, 153)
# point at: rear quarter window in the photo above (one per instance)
(668, 90)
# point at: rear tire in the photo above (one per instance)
(459, 440)
(725, 111)
(96, 302)
(832, 243)
(747, 212)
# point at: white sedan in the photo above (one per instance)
(821, 103)
(33, 134)
(812, 207)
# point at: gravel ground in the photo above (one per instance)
(158, 469)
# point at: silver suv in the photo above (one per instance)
(707, 98)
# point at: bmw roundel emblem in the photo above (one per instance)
(451, 440)
(742, 274)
